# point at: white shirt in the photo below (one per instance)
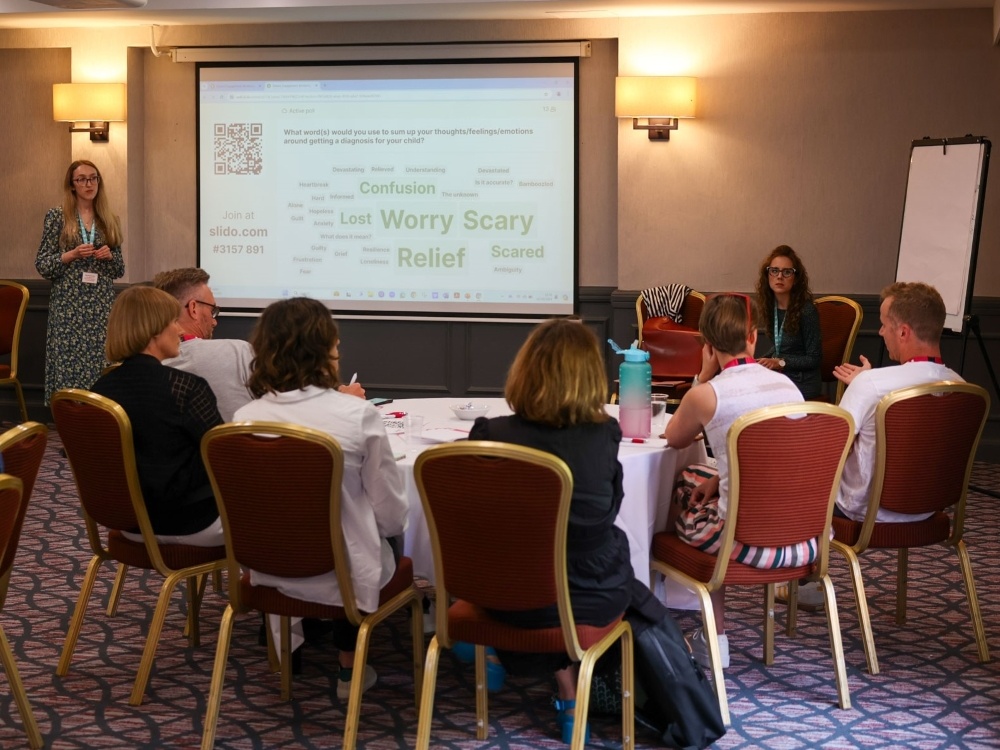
(861, 399)
(373, 502)
(224, 363)
(739, 390)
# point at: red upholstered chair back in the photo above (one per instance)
(839, 321)
(22, 448)
(97, 436)
(278, 489)
(13, 302)
(674, 348)
(927, 438)
(784, 466)
(497, 515)
(12, 505)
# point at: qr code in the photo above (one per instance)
(239, 148)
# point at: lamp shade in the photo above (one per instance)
(655, 96)
(80, 102)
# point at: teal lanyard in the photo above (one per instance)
(778, 332)
(87, 239)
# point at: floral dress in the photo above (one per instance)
(78, 311)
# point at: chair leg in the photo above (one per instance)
(482, 695)
(153, 638)
(116, 589)
(836, 643)
(970, 591)
(769, 622)
(20, 696)
(78, 614)
(217, 582)
(218, 678)
(792, 615)
(628, 691)
(417, 634)
(426, 714)
(902, 571)
(864, 617)
(353, 716)
(20, 400)
(195, 594)
(286, 659)
(712, 639)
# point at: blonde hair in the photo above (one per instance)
(919, 306)
(558, 377)
(726, 322)
(139, 314)
(106, 221)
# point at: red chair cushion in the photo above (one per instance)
(176, 556)
(933, 530)
(670, 549)
(467, 622)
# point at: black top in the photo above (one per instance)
(802, 351)
(169, 410)
(601, 580)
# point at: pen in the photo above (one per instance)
(354, 379)
(638, 440)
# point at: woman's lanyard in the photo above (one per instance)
(739, 361)
(87, 239)
(779, 333)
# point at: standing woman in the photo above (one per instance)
(790, 318)
(80, 253)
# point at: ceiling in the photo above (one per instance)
(42, 14)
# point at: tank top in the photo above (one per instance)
(739, 390)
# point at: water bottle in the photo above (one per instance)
(635, 392)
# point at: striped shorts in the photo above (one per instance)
(700, 526)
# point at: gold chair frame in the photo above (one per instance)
(195, 574)
(366, 622)
(11, 378)
(10, 483)
(851, 338)
(586, 658)
(851, 552)
(704, 590)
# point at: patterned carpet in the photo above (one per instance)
(932, 693)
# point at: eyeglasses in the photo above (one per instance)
(87, 180)
(782, 272)
(215, 308)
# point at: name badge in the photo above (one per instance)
(89, 278)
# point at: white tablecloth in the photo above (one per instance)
(649, 471)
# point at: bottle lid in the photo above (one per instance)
(636, 355)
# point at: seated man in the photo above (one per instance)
(224, 363)
(912, 316)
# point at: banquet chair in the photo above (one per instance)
(13, 501)
(926, 438)
(839, 321)
(267, 534)
(674, 347)
(497, 514)
(97, 436)
(13, 304)
(764, 487)
(22, 448)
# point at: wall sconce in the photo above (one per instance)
(96, 103)
(660, 100)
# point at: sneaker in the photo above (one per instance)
(344, 686)
(810, 596)
(699, 649)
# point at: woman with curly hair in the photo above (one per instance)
(789, 316)
(294, 378)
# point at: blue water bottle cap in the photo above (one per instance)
(636, 355)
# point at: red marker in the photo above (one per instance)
(395, 414)
(638, 440)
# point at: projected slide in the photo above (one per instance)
(445, 188)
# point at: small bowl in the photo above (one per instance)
(470, 411)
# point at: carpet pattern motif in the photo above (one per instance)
(932, 692)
